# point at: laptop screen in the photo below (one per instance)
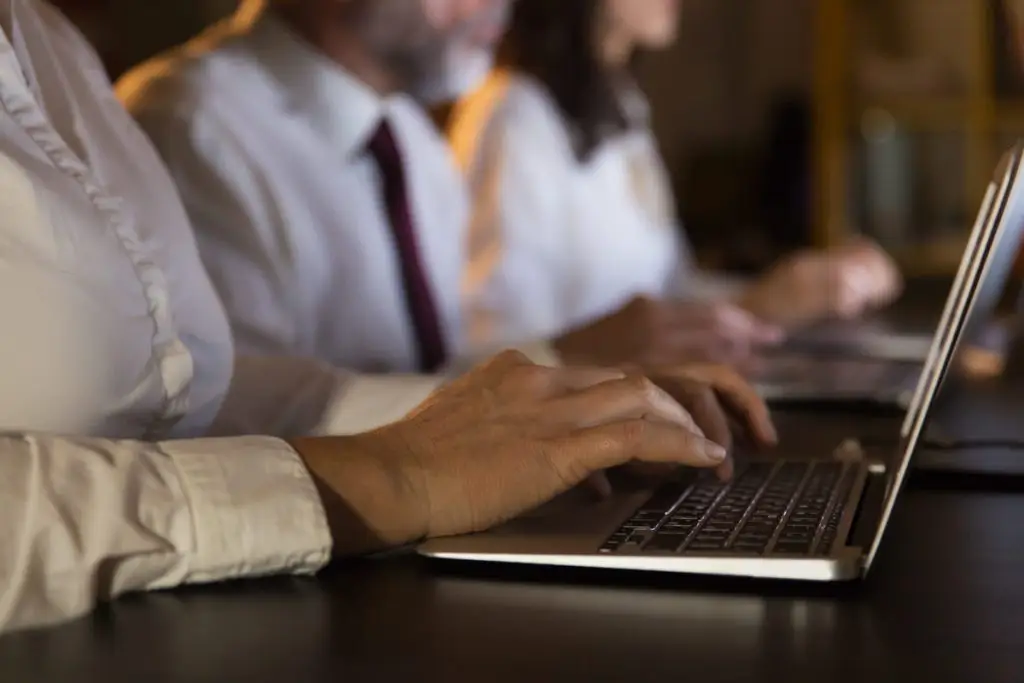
(998, 270)
(999, 221)
(984, 226)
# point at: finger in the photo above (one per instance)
(719, 319)
(889, 280)
(726, 470)
(687, 346)
(742, 328)
(852, 289)
(732, 319)
(711, 417)
(894, 281)
(767, 334)
(617, 443)
(740, 397)
(599, 484)
(878, 272)
(632, 397)
(701, 402)
(580, 378)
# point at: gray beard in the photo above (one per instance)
(463, 70)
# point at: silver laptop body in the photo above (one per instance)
(887, 370)
(815, 518)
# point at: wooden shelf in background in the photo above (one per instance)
(931, 114)
(1010, 115)
(979, 115)
(942, 113)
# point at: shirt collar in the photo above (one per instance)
(635, 105)
(337, 104)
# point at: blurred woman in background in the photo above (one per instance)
(573, 214)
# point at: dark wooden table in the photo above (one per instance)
(945, 602)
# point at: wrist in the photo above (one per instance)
(371, 500)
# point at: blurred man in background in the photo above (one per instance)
(328, 208)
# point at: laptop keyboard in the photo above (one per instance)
(859, 377)
(786, 507)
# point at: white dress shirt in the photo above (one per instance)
(266, 140)
(554, 242)
(116, 364)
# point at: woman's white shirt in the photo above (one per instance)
(116, 355)
(556, 242)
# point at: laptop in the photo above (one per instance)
(888, 377)
(815, 519)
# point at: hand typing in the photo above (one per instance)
(843, 282)
(647, 332)
(499, 441)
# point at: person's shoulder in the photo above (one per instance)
(507, 106)
(527, 98)
(508, 98)
(185, 79)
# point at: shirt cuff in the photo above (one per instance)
(255, 509)
(368, 402)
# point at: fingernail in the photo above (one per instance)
(714, 452)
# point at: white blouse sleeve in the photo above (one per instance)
(86, 520)
(518, 162)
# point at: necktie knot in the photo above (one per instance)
(383, 145)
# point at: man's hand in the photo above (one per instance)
(879, 268)
(648, 332)
(717, 398)
(844, 282)
(498, 442)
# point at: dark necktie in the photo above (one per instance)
(419, 299)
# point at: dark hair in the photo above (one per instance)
(554, 41)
